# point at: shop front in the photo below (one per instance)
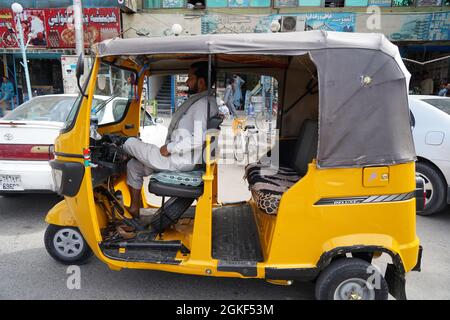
(50, 35)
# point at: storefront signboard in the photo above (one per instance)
(99, 24)
(33, 25)
(7, 25)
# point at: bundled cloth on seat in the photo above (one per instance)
(268, 184)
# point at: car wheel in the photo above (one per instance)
(435, 189)
(66, 245)
(351, 279)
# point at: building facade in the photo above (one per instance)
(51, 40)
(421, 28)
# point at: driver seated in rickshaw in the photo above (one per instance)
(184, 141)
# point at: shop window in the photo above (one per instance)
(334, 3)
(237, 3)
(173, 4)
(356, 3)
(402, 3)
(310, 3)
(259, 3)
(196, 4)
(8, 3)
(380, 3)
(152, 4)
(58, 3)
(285, 3)
(217, 3)
(54, 4)
(429, 3)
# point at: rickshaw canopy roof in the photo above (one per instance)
(362, 81)
(285, 43)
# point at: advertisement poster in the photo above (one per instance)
(330, 21)
(69, 65)
(33, 24)
(99, 24)
(7, 38)
(431, 26)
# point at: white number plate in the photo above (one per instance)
(10, 183)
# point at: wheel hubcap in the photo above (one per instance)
(428, 186)
(68, 243)
(354, 289)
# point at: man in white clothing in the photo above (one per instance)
(184, 142)
(427, 84)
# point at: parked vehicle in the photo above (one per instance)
(28, 132)
(342, 195)
(430, 122)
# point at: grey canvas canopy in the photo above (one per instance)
(362, 86)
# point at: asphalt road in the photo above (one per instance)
(28, 272)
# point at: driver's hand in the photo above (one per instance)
(164, 151)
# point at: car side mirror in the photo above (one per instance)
(79, 72)
(159, 120)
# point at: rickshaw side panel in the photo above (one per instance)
(306, 230)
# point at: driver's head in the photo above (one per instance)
(198, 77)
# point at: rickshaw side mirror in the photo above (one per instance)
(79, 72)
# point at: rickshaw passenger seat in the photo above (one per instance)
(268, 187)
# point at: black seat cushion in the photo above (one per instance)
(174, 190)
(306, 147)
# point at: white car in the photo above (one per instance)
(27, 132)
(430, 123)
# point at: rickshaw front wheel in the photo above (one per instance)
(351, 279)
(66, 245)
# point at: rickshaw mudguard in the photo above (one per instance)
(60, 215)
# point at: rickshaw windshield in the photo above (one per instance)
(113, 92)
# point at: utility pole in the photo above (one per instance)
(78, 22)
(18, 10)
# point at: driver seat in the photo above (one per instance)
(183, 188)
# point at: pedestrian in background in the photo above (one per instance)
(237, 88)
(427, 84)
(228, 97)
(6, 94)
(443, 90)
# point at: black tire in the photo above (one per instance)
(11, 194)
(80, 257)
(173, 210)
(351, 270)
(436, 199)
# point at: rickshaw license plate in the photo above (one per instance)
(10, 183)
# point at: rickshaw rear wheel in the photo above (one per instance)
(351, 279)
(66, 245)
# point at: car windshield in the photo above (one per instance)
(441, 104)
(44, 108)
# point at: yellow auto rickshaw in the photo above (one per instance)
(335, 193)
